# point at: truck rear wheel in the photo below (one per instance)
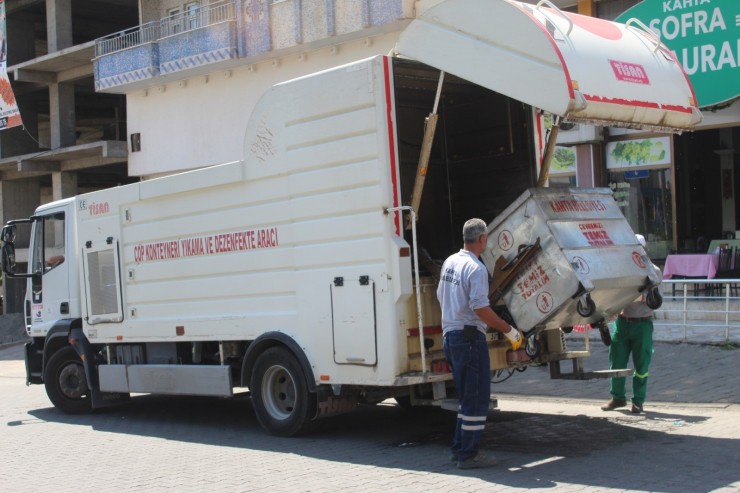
(280, 395)
(66, 383)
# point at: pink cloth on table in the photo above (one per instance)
(691, 265)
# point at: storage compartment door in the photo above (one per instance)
(353, 321)
(102, 283)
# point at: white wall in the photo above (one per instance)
(201, 121)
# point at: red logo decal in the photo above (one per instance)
(544, 302)
(505, 240)
(629, 72)
(637, 259)
(581, 265)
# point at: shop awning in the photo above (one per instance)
(581, 68)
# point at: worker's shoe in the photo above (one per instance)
(477, 462)
(636, 407)
(613, 404)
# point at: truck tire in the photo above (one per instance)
(66, 383)
(280, 397)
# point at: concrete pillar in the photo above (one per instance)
(18, 200)
(584, 165)
(58, 24)
(62, 115)
(63, 184)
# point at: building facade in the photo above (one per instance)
(72, 138)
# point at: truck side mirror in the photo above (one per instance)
(8, 258)
(8, 234)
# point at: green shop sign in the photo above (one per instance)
(705, 36)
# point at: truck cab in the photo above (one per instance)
(53, 286)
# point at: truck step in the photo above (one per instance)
(590, 375)
(579, 374)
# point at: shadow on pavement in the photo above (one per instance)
(534, 450)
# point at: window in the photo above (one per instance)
(645, 199)
(192, 11)
(102, 283)
(48, 243)
(173, 21)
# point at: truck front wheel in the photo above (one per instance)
(280, 395)
(66, 383)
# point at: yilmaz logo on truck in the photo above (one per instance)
(94, 208)
(629, 72)
(239, 241)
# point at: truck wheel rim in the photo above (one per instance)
(278, 392)
(72, 381)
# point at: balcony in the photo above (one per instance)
(235, 32)
(187, 41)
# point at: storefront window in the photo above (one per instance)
(645, 199)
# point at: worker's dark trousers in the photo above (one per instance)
(471, 372)
(635, 338)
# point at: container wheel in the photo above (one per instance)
(589, 308)
(280, 395)
(66, 383)
(654, 299)
(532, 348)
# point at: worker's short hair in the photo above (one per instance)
(472, 229)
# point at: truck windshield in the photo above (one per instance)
(48, 243)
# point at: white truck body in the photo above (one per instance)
(294, 265)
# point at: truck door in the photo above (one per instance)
(353, 321)
(48, 295)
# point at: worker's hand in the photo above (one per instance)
(515, 337)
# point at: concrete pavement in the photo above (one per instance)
(548, 435)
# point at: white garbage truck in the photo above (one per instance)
(305, 272)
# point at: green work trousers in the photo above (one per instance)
(635, 338)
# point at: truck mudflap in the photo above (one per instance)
(34, 356)
(85, 350)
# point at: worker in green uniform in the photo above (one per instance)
(633, 334)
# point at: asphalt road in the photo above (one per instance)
(549, 436)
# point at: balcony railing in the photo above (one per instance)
(134, 36)
(176, 24)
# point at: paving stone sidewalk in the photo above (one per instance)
(679, 372)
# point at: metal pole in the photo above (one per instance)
(685, 302)
(727, 312)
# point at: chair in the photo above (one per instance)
(725, 269)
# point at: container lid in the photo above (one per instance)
(581, 68)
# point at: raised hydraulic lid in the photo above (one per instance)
(580, 68)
